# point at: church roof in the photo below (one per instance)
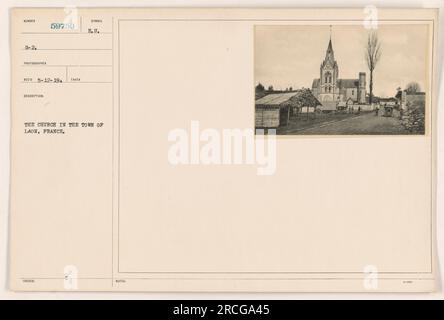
(341, 83)
(348, 83)
(315, 83)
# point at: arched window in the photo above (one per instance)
(327, 77)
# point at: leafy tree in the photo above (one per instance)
(413, 87)
(260, 88)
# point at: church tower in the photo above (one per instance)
(361, 89)
(328, 76)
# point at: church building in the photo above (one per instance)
(330, 90)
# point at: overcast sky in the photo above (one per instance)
(291, 55)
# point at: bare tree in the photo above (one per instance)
(413, 87)
(372, 55)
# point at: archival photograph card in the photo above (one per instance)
(223, 150)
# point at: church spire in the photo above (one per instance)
(330, 54)
(329, 72)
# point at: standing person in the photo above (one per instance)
(359, 110)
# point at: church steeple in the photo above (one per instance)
(329, 71)
(330, 54)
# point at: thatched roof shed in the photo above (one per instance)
(274, 109)
(299, 98)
